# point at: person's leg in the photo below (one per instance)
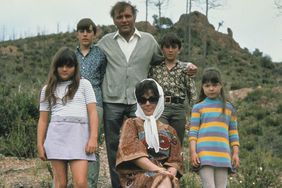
(166, 183)
(113, 118)
(94, 166)
(60, 173)
(220, 177)
(207, 176)
(178, 119)
(79, 173)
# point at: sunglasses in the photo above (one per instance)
(152, 100)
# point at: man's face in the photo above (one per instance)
(85, 37)
(125, 22)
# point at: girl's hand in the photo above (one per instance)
(235, 160)
(195, 160)
(91, 146)
(41, 152)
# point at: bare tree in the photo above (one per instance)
(220, 24)
(3, 32)
(278, 4)
(159, 4)
(212, 4)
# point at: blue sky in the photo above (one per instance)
(255, 23)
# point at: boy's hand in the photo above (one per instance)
(192, 69)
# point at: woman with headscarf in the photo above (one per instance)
(149, 152)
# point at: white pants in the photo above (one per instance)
(213, 177)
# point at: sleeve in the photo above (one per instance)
(88, 91)
(157, 55)
(195, 123)
(191, 90)
(150, 73)
(43, 104)
(175, 158)
(103, 65)
(130, 147)
(233, 129)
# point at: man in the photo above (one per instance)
(92, 67)
(129, 54)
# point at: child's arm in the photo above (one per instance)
(92, 144)
(191, 90)
(235, 157)
(195, 161)
(41, 134)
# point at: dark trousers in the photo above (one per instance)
(175, 116)
(114, 115)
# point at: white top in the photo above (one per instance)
(76, 107)
(127, 47)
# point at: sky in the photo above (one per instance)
(256, 24)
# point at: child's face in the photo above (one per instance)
(65, 72)
(212, 90)
(171, 52)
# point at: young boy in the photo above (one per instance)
(176, 83)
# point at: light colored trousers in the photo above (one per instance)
(213, 177)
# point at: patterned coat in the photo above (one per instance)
(133, 146)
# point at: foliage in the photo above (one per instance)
(25, 64)
(18, 133)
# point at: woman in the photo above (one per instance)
(149, 153)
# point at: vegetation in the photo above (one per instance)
(25, 63)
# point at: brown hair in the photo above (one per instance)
(213, 75)
(121, 6)
(64, 56)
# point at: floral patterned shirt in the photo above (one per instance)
(92, 68)
(175, 82)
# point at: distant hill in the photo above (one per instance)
(254, 80)
(25, 62)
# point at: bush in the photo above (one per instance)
(18, 128)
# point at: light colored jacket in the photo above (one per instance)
(122, 76)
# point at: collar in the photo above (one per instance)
(136, 33)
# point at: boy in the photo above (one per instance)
(176, 83)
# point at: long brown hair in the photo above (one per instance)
(213, 76)
(64, 56)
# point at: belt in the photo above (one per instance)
(175, 100)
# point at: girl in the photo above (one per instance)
(213, 131)
(72, 104)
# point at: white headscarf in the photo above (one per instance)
(150, 125)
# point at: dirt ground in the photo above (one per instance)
(34, 173)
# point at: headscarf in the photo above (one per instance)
(150, 124)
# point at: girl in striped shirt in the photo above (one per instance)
(213, 133)
(70, 137)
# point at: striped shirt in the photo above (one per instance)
(214, 132)
(76, 107)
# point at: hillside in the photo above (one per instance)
(254, 80)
